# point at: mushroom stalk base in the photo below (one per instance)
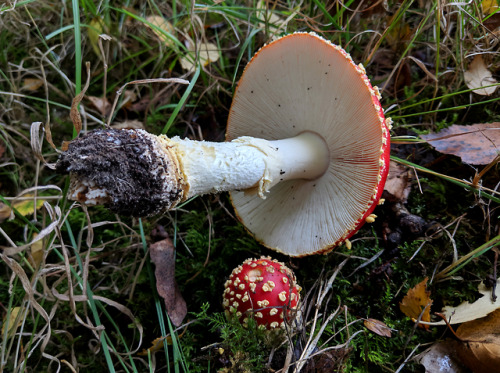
(136, 173)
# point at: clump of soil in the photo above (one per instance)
(121, 163)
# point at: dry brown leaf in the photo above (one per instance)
(477, 144)
(378, 327)
(32, 84)
(478, 75)
(129, 124)
(163, 256)
(441, 357)
(397, 186)
(101, 104)
(480, 347)
(417, 302)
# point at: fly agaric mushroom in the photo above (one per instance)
(264, 289)
(306, 158)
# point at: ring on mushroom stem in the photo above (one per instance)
(305, 161)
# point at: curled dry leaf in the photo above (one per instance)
(441, 357)
(129, 124)
(163, 256)
(477, 144)
(480, 347)
(417, 302)
(478, 75)
(378, 327)
(101, 104)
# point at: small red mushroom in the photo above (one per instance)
(264, 289)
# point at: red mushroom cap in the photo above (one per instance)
(264, 289)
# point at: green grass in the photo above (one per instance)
(90, 303)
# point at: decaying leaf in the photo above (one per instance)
(478, 75)
(207, 53)
(378, 327)
(441, 357)
(32, 84)
(13, 321)
(163, 29)
(471, 311)
(25, 206)
(480, 347)
(163, 256)
(101, 104)
(397, 186)
(417, 302)
(129, 124)
(158, 344)
(476, 144)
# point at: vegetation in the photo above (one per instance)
(77, 286)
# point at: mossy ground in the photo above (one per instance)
(90, 302)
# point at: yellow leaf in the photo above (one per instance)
(11, 323)
(489, 6)
(161, 28)
(95, 29)
(478, 75)
(416, 301)
(26, 206)
(207, 53)
(37, 251)
(32, 84)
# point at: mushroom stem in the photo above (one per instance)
(138, 174)
(250, 164)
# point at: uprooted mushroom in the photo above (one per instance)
(305, 161)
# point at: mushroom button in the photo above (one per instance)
(305, 161)
(264, 289)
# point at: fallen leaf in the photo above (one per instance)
(163, 29)
(480, 347)
(32, 84)
(158, 344)
(13, 321)
(378, 327)
(163, 256)
(478, 75)
(101, 104)
(471, 311)
(476, 144)
(95, 29)
(269, 18)
(207, 53)
(489, 6)
(416, 302)
(23, 206)
(441, 357)
(397, 186)
(129, 124)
